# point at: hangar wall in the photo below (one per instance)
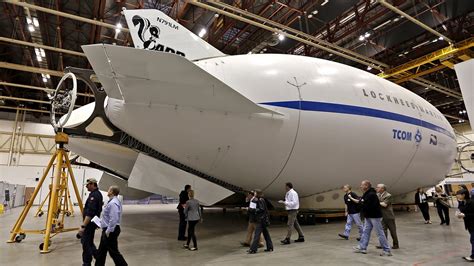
(465, 134)
(24, 161)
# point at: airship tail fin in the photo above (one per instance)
(465, 71)
(151, 29)
(145, 77)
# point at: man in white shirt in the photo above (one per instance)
(292, 204)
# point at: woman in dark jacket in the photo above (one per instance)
(263, 221)
(421, 199)
(466, 211)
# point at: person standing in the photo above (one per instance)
(252, 224)
(352, 211)
(292, 204)
(466, 212)
(388, 217)
(93, 207)
(193, 214)
(110, 223)
(263, 221)
(421, 200)
(373, 219)
(183, 197)
(442, 205)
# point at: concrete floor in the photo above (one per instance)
(149, 238)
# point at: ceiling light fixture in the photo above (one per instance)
(325, 2)
(202, 32)
(119, 27)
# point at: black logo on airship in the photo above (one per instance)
(150, 34)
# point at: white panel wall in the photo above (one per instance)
(26, 175)
(30, 128)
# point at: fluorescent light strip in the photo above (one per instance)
(383, 24)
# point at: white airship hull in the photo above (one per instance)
(341, 135)
(259, 121)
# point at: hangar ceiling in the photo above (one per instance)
(414, 43)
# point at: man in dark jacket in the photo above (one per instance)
(93, 207)
(373, 219)
(183, 197)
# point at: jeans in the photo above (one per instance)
(110, 244)
(355, 217)
(259, 230)
(191, 232)
(375, 223)
(88, 246)
(293, 222)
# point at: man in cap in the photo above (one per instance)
(93, 207)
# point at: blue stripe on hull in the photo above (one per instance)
(358, 110)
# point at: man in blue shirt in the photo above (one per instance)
(110, 224)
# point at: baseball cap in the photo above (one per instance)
(91, 180)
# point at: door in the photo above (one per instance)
(28, 193)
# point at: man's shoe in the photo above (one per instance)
(251, 251)
(378, 247)
(300, 239)
(285, 241)
(395, 247)
(343, 236)
(386, 253)
(358, 239)
(186, 246)
(268, 250)
(193, 249)
(468, 258)
(442, 223)
(357, 249)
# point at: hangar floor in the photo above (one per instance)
(149, 238)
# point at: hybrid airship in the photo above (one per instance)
(174, 110)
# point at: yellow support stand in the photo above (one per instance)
(60, 204)
(65, 202)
